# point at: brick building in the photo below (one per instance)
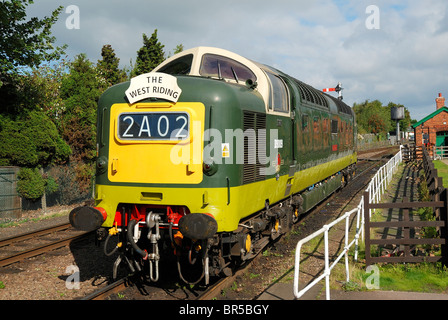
(433, 129)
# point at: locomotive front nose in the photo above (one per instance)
(87, 218)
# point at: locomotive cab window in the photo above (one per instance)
(279, 94)
(220, 67)
(178, 66)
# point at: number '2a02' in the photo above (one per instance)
(153, 126)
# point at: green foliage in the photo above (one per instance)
(80, 93)
(42, 89)
(373, 117)
(426, 214)
(30, 184)
(25, 42)
(31, 140)
(36, 89)
(420, 277)
(442, 171)
(150, 55)
(51, 185)
(108, 67)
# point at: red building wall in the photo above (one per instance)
(430, 125)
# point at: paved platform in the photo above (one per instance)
(284, 291)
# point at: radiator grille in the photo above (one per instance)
(254, 126)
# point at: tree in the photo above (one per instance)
(372, 117)
(25, 43)
(149, 56)
(80, 93)
(108, 67)
(179, 48)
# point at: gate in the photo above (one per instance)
(10, 201)
(440, 152)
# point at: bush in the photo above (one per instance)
(30, 184)
(31, 141)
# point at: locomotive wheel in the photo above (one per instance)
(295, 215)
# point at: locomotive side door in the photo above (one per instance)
(283, 125)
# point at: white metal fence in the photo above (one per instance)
(376, 188)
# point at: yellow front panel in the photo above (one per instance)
(153, 161)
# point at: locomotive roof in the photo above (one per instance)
(195, 67)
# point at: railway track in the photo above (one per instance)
(36, 249)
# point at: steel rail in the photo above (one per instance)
(32, 234)
(103, 293)
(41, 249)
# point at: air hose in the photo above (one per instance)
(130, 235)
(179, 269)
(112, 231)
(105, 246)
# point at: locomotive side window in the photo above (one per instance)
(216, 66)
(316, 125)
(178, 66)
(334, 126)
(279, 94)
(304, 122)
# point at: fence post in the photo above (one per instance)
(444, 230)
(327, 264)
(406, 230)
(367, 227)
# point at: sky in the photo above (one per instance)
(391, 51)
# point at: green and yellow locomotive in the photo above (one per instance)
(209, 157)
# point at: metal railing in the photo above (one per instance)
(326, 274)
(376, 188)
(382, 178)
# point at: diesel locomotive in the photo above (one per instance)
(209, 157)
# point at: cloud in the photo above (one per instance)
(319, 42)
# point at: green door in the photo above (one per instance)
(441, 142)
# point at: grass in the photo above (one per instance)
(24, 220)
(442, 171)
(412, 277)
(421, 277)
